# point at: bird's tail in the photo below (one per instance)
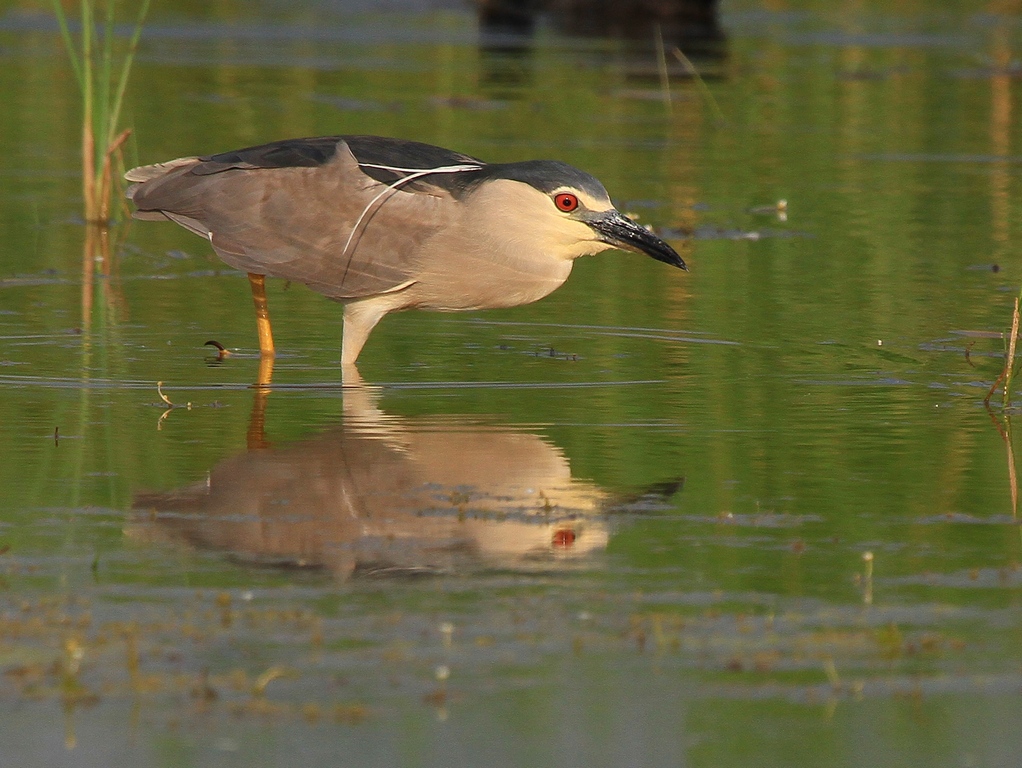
(144, 173)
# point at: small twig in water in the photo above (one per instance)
(267, 677)
(170, 406)
(159, 389)
(990, 393)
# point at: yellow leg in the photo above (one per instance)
(256, 436)
(265, 371)
(258, 283)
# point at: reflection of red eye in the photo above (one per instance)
(564, 537)
(566, 202)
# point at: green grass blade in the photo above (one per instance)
(72, 52)
(102, 77)
(88, 31)
(122, 82)
(88, 73)
(661, 61)
(103, 97)
(88, 89)
(700, 84)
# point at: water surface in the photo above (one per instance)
(624, 525)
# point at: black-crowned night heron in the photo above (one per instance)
(383, 224)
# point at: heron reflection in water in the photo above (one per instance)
(381, 494)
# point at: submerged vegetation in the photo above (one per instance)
(101, 69)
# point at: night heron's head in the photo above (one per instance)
(559, 209)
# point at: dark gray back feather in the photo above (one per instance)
(544, 175)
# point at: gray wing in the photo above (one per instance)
(290, 209)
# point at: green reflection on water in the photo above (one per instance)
(808, 380)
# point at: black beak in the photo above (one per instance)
(621, 232)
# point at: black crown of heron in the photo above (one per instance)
(383, 224)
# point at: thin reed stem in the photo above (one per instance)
(1009, 364)
(661, 62)
(700, 83)
(88, 103)
(102, 83)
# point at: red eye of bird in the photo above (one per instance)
(566, 202)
